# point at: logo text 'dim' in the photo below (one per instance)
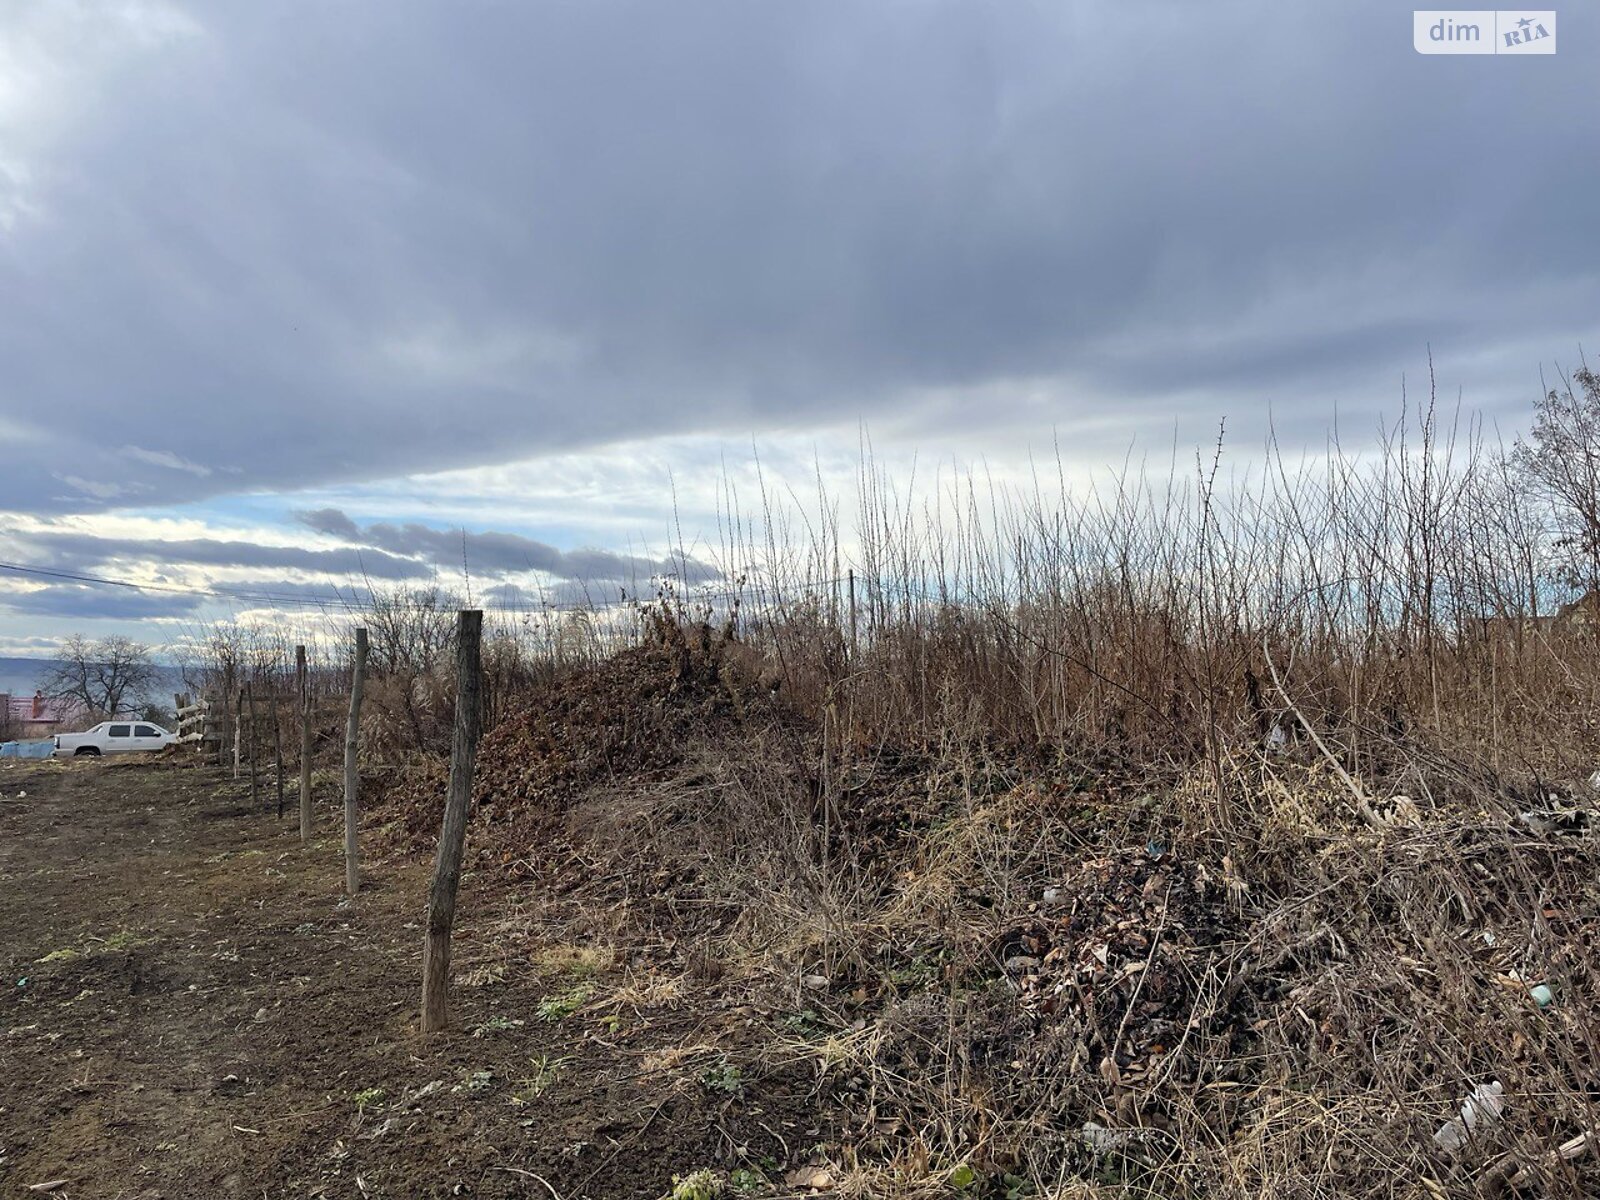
(1484, 31)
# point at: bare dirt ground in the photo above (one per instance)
(190, 1008)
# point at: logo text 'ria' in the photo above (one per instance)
(1527, 30)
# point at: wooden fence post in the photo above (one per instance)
(453, 835)
(215, 730)
(277, 751)
(238, 729)
(852, 616)
(303, 687)
(352, 774)
(255, 733)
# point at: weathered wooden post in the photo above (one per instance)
(238, 728)
(352, 774)
(303, 686)
(453, 836)
(852, 575)
(277, 751)
(211, 730)
(250, 741)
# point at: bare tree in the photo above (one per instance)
(1561, 460)
(101, 675)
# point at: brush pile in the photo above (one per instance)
(1415, 1014)
(564, 789)
(1052, 973)
(1120, 953)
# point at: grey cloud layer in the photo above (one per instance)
(70, 602)
(376, 554)
(70, 551)
(500, 553)
(368, 238)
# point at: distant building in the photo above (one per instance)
(37, 716)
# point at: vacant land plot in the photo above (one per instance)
(192, 1009)
(698, 957)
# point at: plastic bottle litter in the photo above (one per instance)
(1538, 822)
(1482, 1106)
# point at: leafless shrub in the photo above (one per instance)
(979, 743)
(1327, 691)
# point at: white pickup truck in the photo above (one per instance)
(113, 737)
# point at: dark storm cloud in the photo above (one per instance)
(498, 554)
(320, 243)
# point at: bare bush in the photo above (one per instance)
(1183, 835)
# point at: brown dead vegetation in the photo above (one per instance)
(1067, 974)
(1177, 838)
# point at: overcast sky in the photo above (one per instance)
(301, 293)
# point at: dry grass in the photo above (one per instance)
(1158, 839)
